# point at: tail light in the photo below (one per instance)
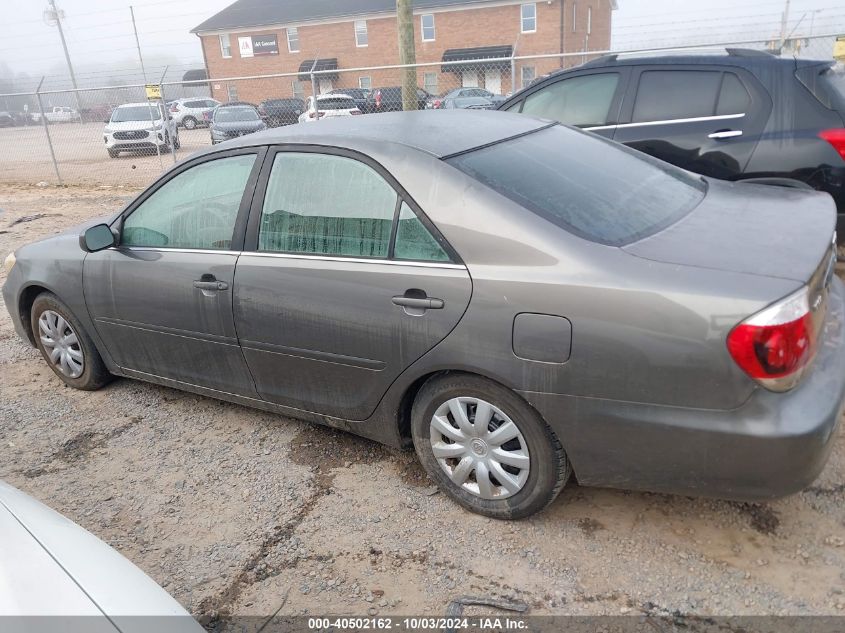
(316, 115)
(174, 107)
(378, 98)
(835, 137)
(776, 345)
(437, 103)
(355, 111)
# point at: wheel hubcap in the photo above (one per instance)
(61, 344)
(480, 448)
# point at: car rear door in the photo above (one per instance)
(343, 282)
(162, 299)
(589, 99)
(704, 118)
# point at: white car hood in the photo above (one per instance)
(50, 566)
(128, 126)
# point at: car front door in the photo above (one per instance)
(343, 283)
(590, 100)
(162, 299)
(707, 119)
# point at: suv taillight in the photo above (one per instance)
(775, 345)
(174, 107)
(835, 137)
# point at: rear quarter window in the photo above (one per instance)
(826, 82)
(593, 188)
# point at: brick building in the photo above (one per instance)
(258, 37)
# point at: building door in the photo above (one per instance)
(493, 80)
(325, 85)
(469, 79)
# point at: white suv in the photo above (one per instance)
(188, 112)
(140, 126)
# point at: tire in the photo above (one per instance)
(113, 153)
(93, 374)
(530, 489)
(189, 123)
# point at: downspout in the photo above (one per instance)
(205, 62)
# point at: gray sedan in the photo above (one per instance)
(515, 299)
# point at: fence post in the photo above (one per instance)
(314, 86)
(47, 131)
(172, 142)
(513, 73)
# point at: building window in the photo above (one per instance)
(293, 39)
(574, 16)
(427, 24)
(529, 18)
(298, 90)
(365, 82)
(232, 92)
(225, 46)
(528, 75)
(589, 20)
(360, 33)
(430, 83)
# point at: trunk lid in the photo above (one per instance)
(753, 229)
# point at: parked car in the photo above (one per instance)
(465, 98)
(389, 99)
(234, 119)
(187, 113)
(98, 113)
(360, 96)
(738, 115)
(328, 106)
(6, 119)
(51, 567)
(140, 126)
(58, 114)
(556, 302)
(277, 112)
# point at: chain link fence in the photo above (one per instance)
(66, 137)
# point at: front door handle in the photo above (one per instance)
(723, 134)
(427, 303)
(210, 284)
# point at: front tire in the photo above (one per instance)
(189, 123)
(65, 346)
(486, 447)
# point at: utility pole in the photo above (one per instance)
(407, 54)
(55, 14)
(138, 43)
(783, 24)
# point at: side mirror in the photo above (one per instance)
(97, 238)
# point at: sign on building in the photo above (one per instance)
(245, 46)
(255, 45)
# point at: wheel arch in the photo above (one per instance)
(26, 299)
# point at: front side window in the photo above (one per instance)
(529, 18)
(321, 204)
(583, 101)
(361, 33)
(552, 173)
(293, 39)
(664, 95)
(414, 241)
(195, 209)
(225, 46)
(528, 74)
(427, 24)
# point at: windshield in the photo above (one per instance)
(231, 115)
(336, 103)
(135, 113)
(591, 187)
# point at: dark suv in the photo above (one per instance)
(278, 112)
(739, 115)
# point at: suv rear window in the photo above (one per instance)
(591, 187)
(826, 82)
(336, 103)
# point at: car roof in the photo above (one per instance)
(744, 57)
(439, 133)
(136, 105)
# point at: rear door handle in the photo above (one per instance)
(211, 285)
(427, 303)
(723, 134)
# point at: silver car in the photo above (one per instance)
(51, 569)
(515, 299)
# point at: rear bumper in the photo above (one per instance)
(773, 445)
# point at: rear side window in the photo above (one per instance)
(553, 173)
(826, 83)
(663, 95)
(733, 97)
(582, 101)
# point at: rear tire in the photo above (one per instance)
(189, 122)
(532, 462)
(65, 346)
(113, 153)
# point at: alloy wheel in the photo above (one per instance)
(479, 448)
(61, 344)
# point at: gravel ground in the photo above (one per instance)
(231, 509)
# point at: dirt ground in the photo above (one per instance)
(236, 511)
